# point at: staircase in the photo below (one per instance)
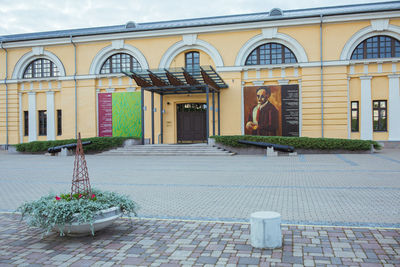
(168, 150)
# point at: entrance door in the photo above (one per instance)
(191, 122)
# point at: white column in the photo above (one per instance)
(51, 128)
(366, 109)
(348, 109)
(394, 108)
(32, 116)
(242, 106)
(300, 109)
(21, 119)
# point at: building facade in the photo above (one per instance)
(328, 72)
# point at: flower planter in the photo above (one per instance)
(102, 219)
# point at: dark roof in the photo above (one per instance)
(196, 22)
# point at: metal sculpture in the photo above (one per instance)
(80, 178)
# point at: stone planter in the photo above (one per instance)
(103, 219)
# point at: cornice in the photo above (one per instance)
(205, 29)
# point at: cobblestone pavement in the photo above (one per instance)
(194, 243)
(215, 195)
(347, 189)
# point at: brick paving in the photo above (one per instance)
(349, 189)
(143, 242)
(194, 193)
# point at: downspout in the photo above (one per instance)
(322, 79)
(5, 82)
(76, 93)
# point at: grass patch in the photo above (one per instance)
(300, 142)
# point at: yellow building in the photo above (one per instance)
(321, 72)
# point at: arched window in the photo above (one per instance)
(41, 68)
(377, 47)
(120, 62)
(271, 53)
(192, 61)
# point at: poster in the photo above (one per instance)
(105, 114)
(126, 114)
(119, 114)
(271, 110)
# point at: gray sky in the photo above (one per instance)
(23, 16)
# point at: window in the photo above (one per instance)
(354, 116)
(192, 61)
(42, 122)
(271, 53)
(379, 115)
(59, 122)
(26, 123)
(377, 47)
(120, 62)
(41, 68)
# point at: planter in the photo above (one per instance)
(102, 219)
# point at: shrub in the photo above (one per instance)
(98, 144)
(300, 142)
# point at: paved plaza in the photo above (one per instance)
(170, 243)
(195, 210)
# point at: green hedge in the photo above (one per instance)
(98, 144)
(300, 142)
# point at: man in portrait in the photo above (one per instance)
(263, 118)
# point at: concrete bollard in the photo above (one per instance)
(66, 152)
(270, 152)
(265, 229)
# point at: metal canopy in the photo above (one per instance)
(202, 80)
(178, 80)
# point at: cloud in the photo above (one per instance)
(21, 16)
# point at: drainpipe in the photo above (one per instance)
(322, 79)
(76, 93)
(5, 82)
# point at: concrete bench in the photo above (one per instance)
(265, 229)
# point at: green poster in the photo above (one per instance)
(126, 114)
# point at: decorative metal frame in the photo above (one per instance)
(80, 178)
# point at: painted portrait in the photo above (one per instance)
(262, 110)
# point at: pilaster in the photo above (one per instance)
(366, 109)
(51, 128)
(394, 108)
(32, 116)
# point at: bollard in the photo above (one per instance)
(265, 229)
(270, 152)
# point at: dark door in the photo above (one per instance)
(191, 120)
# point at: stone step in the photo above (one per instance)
(167, 154)
(168, 150)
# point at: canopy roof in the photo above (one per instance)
(178, 80)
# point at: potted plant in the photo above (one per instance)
(83, 211)
(77, 214)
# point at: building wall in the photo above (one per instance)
(343, 79)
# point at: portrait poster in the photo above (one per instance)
(271, 110)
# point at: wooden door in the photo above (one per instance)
(191, 123)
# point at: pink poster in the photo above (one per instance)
(105, 114)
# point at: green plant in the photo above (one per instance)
(300, 142)
(98, 144)
(52, 211)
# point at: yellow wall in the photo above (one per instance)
(338, 91)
